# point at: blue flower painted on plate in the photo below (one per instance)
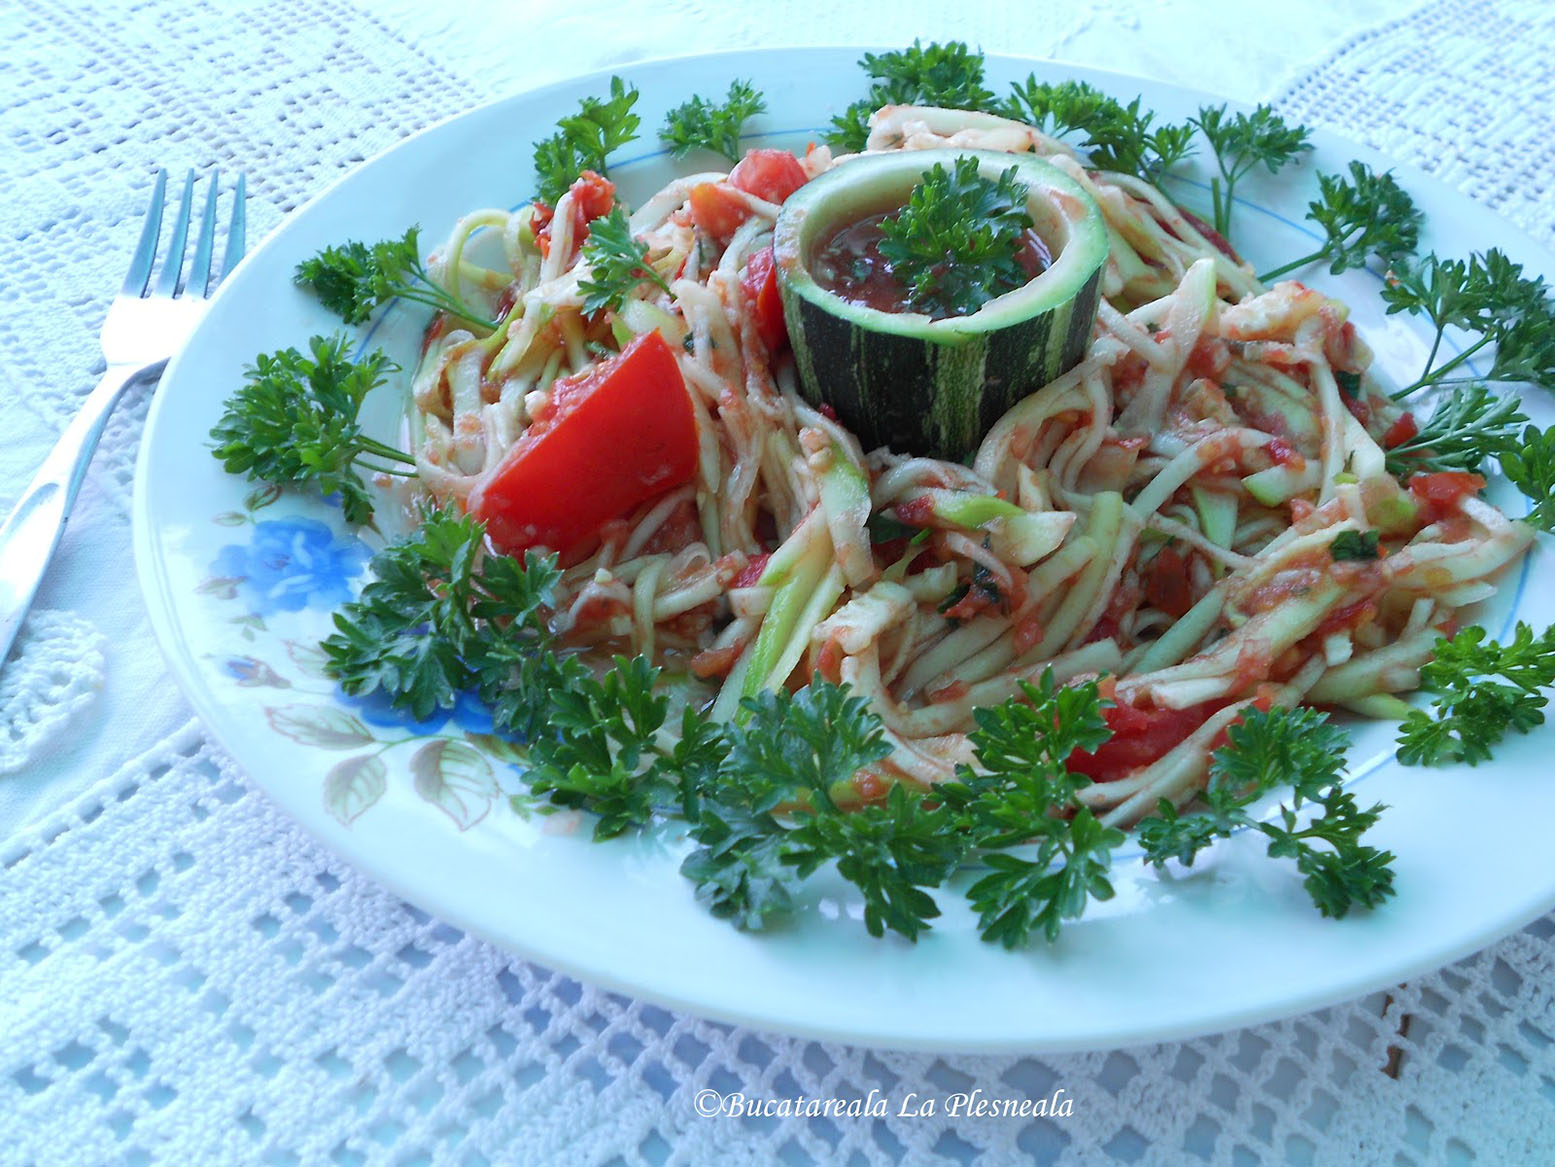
(292, 564)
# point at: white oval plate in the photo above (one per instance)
(239, 594)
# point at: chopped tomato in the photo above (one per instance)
(1166, 583)
(773, 175)
(760, 287)
(1441, 492)
(1282, 453)
(1400, 431)
(768, 174)
(1139, 737)
(752, 572)
(592, 196)
(717, 209)
(611, 438)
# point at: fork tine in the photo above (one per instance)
(146, 250)
(235, 230)
(204, 243)
(173, 262)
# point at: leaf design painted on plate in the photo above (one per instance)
(456, 778)
(251, 672)
(308, 657)
(318, 725)
(354, 785)
(230, 519)
(497, 747)
(222, 587)
(261, 496)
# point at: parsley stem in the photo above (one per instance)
(1292, 266)
(1438, 376)
(373, 446)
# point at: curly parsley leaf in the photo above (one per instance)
(1467, 426)
(1485, 690)
(294, 421)
(1118, 137)
(585, 139)
(948, 75)
(1242, 142)
(955, 245)
(1365, 215)
(602, 751)
(1023, 792)
(1530, 465)
(711, 125)
(1354, 545)
(354, 279)
(617, 263)
(442, 617)
(1265, 751)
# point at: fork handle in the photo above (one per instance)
(32, 529)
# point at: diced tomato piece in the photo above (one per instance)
(1139, 737)
(1166, 582)
(1440, 492)
(592, 196)
(612, 437)
(760, 286)
(768, 174)
(1400, 431)
(717, 209)
(751, 574)
(1282, 453)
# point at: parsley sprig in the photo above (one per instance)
(948, 75)
(1241, 142)
(1361, 216)
(352, 280)
(617, 263)
(1530, 465)
(1485, 690)
(443, 617)
(1116, 136)
(954, 246)
(1266, 751)
(294, 421)
(1022, 792)
(1467, 426)
(712, 125)
(585, 139)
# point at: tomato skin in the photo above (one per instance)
(611, 438)
(1400, 431)
(717, 209)
(1166, 583)
(1139, 737)
(1439, 493)
(592, 196)
(768, 174)
(760, 286)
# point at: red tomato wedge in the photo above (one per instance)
(1139, 737)
(717, 208)
(1441, 491)
(768, 174)
(759, 284)
(612, 437)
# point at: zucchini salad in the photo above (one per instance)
(945, 499)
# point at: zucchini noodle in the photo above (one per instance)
(1162, 515)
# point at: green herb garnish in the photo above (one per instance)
(1118, 137)
(585, 139)
(617, 263)
(1241, 142)
(1484, 691)
(293, 422)
(712, 126)
(354, 279)
(954, 246)
(1353, 545)
(1366, 215)
(1266, 751)
(949, 75)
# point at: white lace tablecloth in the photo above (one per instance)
(186, 978)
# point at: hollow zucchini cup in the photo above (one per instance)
(925, 386)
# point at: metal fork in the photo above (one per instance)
(145, 326)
